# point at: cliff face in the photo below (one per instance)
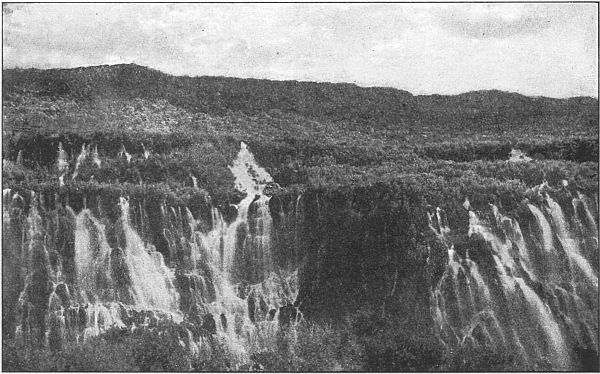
(348, 251)
(320, 255)
(244, 210)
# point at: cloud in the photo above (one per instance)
(424, 48)
(484, 21)
(493, 26)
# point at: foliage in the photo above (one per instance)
(379, 108)
(313, 348)
(363, 341)
(481, 359)
(94, 355)
(307, 135)
(142, 350)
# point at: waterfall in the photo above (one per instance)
(109, 286)
(523, 282)
(298, 222)
(123, 153)
(19, 160)
(234, 283)
(6, 197)
(544, 228)
(82, 272)
(146, 152)
(256, 243)
(96, 156)
(583, 200)
(517, 296)
(151, 281)
(92, 256)
(80, 158)
(569, 244)
(548, 324)
(62, 162)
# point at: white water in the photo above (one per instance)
(146, 152)
(123, 153)
(248, 286)
(249, 177)
(96, 156)
(152, 280)
(590, 217)
(62, 162)
(547, 322)
(20, 157)
(570, 245)
(6, 200)
(80, 158)
(231, 267)
(538, 332)
(99, 296)
(516, 155)
(546, 230)
(224, 249)
(92, 255)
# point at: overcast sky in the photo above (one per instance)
(533, 49)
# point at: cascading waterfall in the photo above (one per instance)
(84, 273)
(524, 284)
(529, 289)
(135, 274)
(92, 256)
(151, 281)
(103, 295)
(241, 291)
(569, 244)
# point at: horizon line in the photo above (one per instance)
(305, 81)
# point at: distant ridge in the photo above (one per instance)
(132, 67)
(377, 106)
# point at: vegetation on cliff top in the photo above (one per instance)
(307, 135)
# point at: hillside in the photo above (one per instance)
(299, 130)
(489, 112)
